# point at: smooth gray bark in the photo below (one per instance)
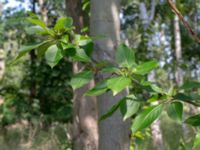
(84, 128)
(178, 50)
(113, 132)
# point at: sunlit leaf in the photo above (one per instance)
(117, 84)
(129, 106)
(125, 56)
(53, 55)
(27, 48)
(37, 22)
(146, 118)
(64, 22)
(80, 79)
(80, 55)
(99, 89)
(146, 67)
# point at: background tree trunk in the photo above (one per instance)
(178, 50)
(85, 130)
(43, 10)
(114, 134)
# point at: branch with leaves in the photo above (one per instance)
(62, 42)
(185, 23)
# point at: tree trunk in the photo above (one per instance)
(43, 10)
(114, 134)
(85, 130)
(178, 50)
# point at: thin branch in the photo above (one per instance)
(185, 23)
(192, 103)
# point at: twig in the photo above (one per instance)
(185, 23)
(192, 103)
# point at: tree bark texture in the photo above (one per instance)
(178, 50)
(113, 132)
(85, 130)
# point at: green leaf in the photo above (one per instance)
(35, 30)
(111, 111)
(37, 22)
(193, 120)
(88, 48)
(43, 48)
(80, 79)
(190, 85)
(99, 89)
(146, 118)
(82, 40)
(145, 67)
(187, 97)
(153, 87)
(125, 56)
(110, 69)
(197, 139)
(117, 84)
(64, 22)
(175, 111)
(81, 56)
(27, 48)
(53, 55)
(129, 106)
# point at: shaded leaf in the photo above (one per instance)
(190, 85)
(193, 120)
(111, 111)
(43, 48)
(175, 111)
(187, 97)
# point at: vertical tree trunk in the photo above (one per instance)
(85, 130)
(113, 132)
(43, 10)
(178, 50)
